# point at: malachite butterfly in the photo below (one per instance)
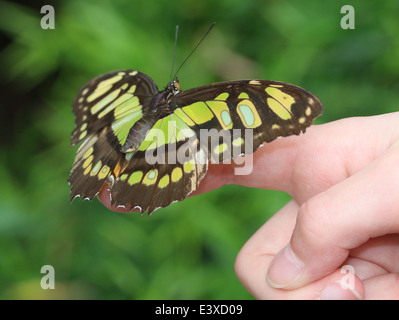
(147, 145)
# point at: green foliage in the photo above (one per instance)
(187, 250)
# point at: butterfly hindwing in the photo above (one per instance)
(164, 169)
(148, 186)
(95, 163)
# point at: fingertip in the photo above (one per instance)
(344, 286)
(285, 269)
(217, 176)
(105, 198)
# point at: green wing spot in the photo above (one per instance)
(151, 177)
(126, 106)
(122, 126)
(135, 177)
(223, 96)
(124, 176)
(284, 99)
(222, 112)
(243, 95)
(117, 103)
(164, 181)
(278, 109)
(103, 87)
(180, 113)
(248, 114)
(104, 101)
(96, 168)
(181, 130)
(177, 174)
(199, 112)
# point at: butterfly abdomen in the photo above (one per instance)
(155, 110)
(137, 134)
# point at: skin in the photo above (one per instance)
(343, 177)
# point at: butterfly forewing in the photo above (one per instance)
(246, 111)
(104, 109)
(108, 98)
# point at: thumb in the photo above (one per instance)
(337, 220)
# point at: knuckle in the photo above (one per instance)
(314, 219)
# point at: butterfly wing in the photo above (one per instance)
(105, 99)
(247, 113)
(105, 109)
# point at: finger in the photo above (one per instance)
(383, 252)
(383, 287)
(310, 163)
(272, 166)
(256, 255)
(279, 155)
(343, 217)
(365, 269)
(105, 197)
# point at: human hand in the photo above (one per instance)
(344, 180)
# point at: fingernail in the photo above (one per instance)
(284, 269)
(334, 291)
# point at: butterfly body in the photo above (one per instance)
(159, 107)
(146, 144)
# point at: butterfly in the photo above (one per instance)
(148, 146)
(152, 147)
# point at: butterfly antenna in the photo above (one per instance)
(174, 54)
(209, 30)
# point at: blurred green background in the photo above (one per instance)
(187, 250)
